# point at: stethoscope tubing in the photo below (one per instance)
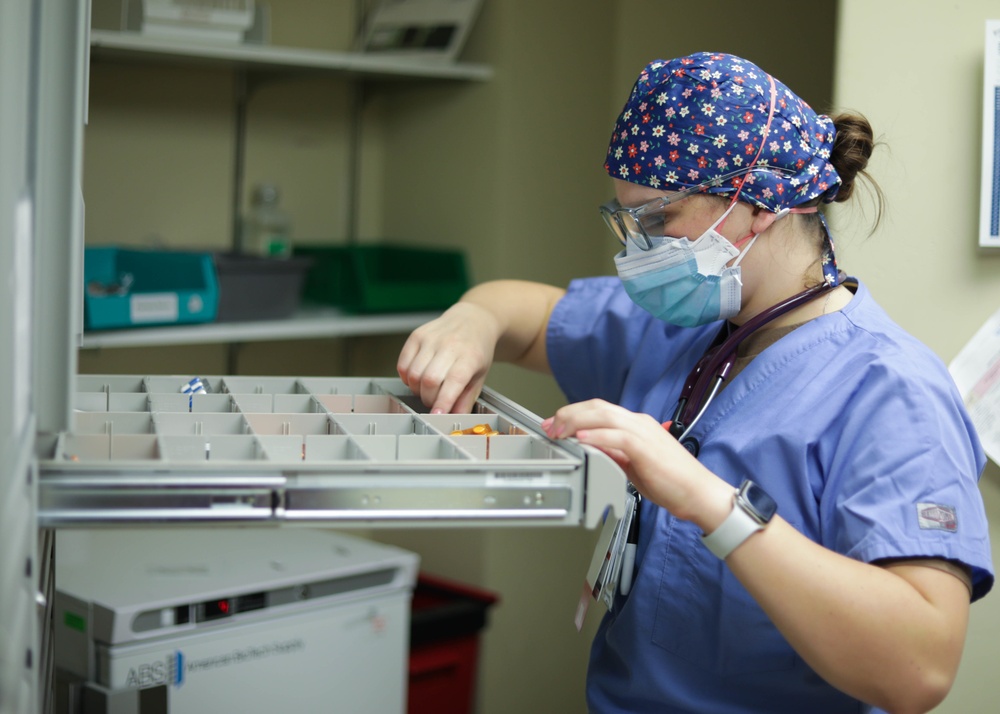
(715, 364)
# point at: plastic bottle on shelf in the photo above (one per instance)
(268, 225)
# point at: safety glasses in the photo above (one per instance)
(644, 225)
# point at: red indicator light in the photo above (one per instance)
(215, 608)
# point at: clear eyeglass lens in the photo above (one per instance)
(611, 220)
(635, 230)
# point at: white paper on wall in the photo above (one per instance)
(976, 371)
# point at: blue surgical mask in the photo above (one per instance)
(683, 282)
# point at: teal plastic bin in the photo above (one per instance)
(140, 288)
(384, 277)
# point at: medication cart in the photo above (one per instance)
(230, 620)
(257, 456)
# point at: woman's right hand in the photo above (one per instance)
(445, 361)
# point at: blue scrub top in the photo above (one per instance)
(852, 425)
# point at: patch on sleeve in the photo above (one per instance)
(934, 516)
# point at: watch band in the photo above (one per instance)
(738, 526)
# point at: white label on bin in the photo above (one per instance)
(154, 307)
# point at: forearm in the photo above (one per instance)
(866, 630)
(521, 311)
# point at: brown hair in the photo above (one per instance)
(852, 148)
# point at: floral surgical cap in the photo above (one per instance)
(697, 118)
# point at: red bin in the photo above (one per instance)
(445, 620)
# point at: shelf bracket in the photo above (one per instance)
(242, 97)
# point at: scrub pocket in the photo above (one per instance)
(705, 616)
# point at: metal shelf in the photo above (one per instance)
(132, 46)
(308, 323)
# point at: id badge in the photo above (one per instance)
(606, 563)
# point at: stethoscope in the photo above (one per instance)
(714, 366)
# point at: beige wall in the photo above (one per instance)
(510, 170)
(917, 74)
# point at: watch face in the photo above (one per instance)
(758, 500)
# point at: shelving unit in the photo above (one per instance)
(253, 64)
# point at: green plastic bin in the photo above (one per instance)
(384, 277)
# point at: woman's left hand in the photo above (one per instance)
(657, 465)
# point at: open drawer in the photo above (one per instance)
(336, 450)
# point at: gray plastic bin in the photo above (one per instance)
(257, 288)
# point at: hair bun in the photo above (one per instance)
(852, 148)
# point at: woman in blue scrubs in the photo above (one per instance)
(811, 532)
